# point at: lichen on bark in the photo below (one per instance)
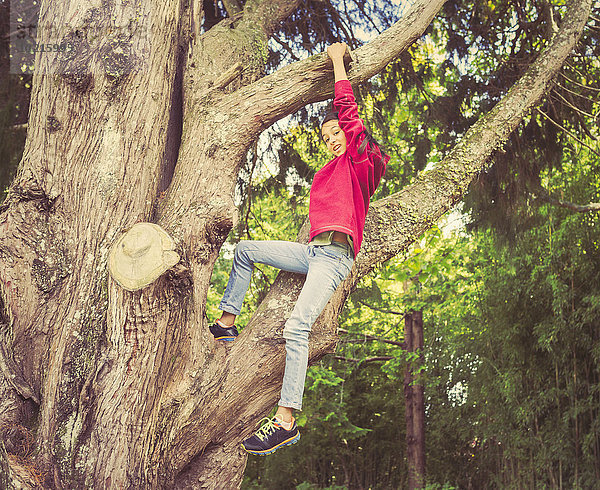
(75, 398)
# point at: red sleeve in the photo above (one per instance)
(345, 104)
(369, 165)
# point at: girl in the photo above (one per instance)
(339, 200)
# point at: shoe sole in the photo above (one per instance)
(226, 339)
(289, 442)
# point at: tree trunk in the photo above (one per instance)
(415, 401)
(128, 389)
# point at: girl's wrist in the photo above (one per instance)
(339, 64)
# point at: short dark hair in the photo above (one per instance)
(331, 116)
(335, 116)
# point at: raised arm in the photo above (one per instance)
(344, 103)
(372, 162)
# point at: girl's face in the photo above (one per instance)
(334, 137)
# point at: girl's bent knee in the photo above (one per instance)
(241, 247)
(296, 334)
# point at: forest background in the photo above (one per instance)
(509, 286)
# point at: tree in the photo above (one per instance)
(128, 388)
(415, 401)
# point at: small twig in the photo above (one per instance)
(579, 114)
(366, 359)
(361, 7)
(577, 83)
(575, 93)
(381, 310)
(571, 105)
(228, 76)
(337, 20)
(566, 131)
(257, 222)
(570, 65)
(286, 46)
(547, 11)
(544, 195)
(225, 79)
(369, 337)
(595, 28)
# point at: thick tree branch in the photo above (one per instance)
(242, 114)
(232, 53)
(79, 183)
(238, 117)
(240, 38)
(309, 80)
(412, 210)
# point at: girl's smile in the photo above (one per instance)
(334, 137)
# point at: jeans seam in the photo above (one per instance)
(275, 254)
(329, 294)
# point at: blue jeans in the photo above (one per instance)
(325, 266)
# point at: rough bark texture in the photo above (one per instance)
(414, 394)
(122, 387)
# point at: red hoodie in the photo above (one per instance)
(340, 192)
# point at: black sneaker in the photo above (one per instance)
(270, 437)
(222, 333)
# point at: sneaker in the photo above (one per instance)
(270, 437)
(223, 332)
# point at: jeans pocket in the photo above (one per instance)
(347, 262)
(336, 251)
(332, 253)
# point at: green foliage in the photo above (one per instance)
(546, 138)
(12, 140)
(526, 359)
